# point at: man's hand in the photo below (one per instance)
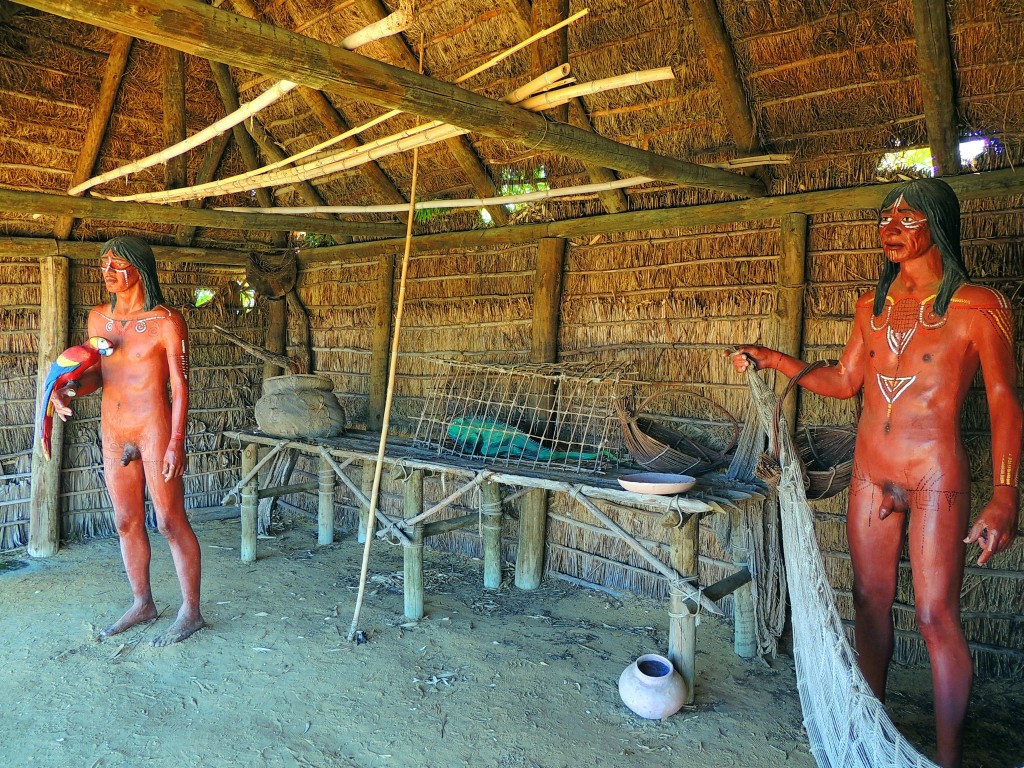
(995, 528)
(175, 460)
(750, 355)
(60, 399)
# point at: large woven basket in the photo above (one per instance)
(661, 448)
(826, 453)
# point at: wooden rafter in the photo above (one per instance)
(460, 147)
(184, 233)
(325, 112)
(935, 65)
(243, 140)
(715, 39)
(549, 53)
(117, 60)
(173, 63)
(208, 32)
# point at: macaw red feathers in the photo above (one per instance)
(65, 371)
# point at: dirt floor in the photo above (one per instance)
(500, 678)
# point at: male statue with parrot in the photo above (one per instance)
(142, 346)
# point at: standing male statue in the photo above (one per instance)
(917, 343)
(143, 430)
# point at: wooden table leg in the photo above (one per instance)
(413, 553)
(490, 508)
(369, 468)
(744, 642)
(533, 519)
(249, 505)
(682, 624)
(325, 504)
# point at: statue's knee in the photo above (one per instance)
(872, 598)
(936, 621)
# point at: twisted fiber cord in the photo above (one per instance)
(846, 725)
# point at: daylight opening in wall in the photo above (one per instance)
(204, 295)
(919, 161)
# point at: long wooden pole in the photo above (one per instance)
(211, 33)
(144, 213)
(968, 187)
(44, 501)
(386, 421)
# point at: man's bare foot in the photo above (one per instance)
(137, 614)
(187, 623)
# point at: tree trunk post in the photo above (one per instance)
(248, 511)
(490, 509)
(413, 554)
(44, 502)
(682, 624)
(325, 504)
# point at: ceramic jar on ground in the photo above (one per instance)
(652, 688)
(299, 405)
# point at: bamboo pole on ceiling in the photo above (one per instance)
(205, 31)
(44, 204)
(113, 71)
(968, 187)
(935, 64)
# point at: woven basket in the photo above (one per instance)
(825, 453)
(659, 448)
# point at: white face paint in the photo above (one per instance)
(118, 274)
(904, 232)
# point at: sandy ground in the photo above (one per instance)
(501, 678)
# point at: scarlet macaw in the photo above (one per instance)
(66, 370)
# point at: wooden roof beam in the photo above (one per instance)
(202, 30)
(113, 70)
(935, 65)
(19, 201)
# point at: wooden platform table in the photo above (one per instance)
(712, 495)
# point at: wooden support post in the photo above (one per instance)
(325, 505)
(249, 505)
(790, 311)
(367, 488)
(44, 501)
(490, 509)
(412, 554)
(380, 352)
(744, 642)
(176, 168)
(533, 520)
(682, 623)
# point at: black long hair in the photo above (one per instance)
(938, 202)
(137, 252)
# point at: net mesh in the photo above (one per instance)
(846, 725)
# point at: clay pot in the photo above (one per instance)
(652, 688)
(299, 405)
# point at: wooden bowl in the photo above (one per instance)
(657, 483)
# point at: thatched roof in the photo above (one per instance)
(834, 85)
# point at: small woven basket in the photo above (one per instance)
(825, 453)
(661, 449)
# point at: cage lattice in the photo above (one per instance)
(536, 416)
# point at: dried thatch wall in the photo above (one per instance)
(224, 385)
(668, 304)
